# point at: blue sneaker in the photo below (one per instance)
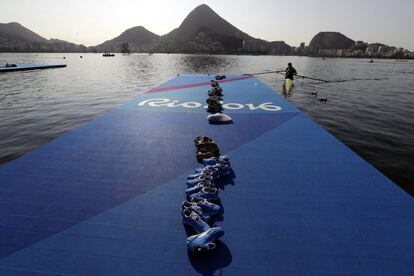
(194, 207)
(208, 167)
(219, 170)
(206, 206)
(222, 169)
(203, 171)
(223, 159)
(200, 179)
(192, 219)
(204, 241)
(213, 174)
(195, 189)
(209, 161)
(208, 193)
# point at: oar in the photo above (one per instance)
(262, 73)
(306, 77)
(282, 73)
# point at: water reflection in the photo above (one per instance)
(206, 64)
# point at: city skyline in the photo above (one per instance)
(96, 21)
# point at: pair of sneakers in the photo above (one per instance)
(202, 207)
(213, 170)
(204, 240)
(196, 213)
(216, 91)
(203, 140)
(214, 98)
(206, 148)
(214, 83)
(203, 177)
(207, 173)
(222, 159)
(203, 191)
(220, 164)
(214, 106)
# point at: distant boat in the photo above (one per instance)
(108, 55)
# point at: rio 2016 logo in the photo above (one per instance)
(162, 102)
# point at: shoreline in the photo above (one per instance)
(221, 54)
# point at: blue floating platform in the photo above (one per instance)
(105, 198)
(25, 67)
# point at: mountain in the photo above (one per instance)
(139, 39)
(204, 31)
(17, 38)
(18, 30)
(330, 40)
(204, 19)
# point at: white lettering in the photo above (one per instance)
(159, 102)
(233, 106)
(191, 105)
(173, 104)
(154, 102)
(265, 106)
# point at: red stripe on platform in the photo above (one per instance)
(184, 86)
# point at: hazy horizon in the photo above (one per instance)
(92, 22)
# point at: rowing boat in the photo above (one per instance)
(288, 85)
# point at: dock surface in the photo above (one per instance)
(105, 198)
(25, 67)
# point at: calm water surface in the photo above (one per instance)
(371, 111)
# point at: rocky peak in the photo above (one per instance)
(330, 40)
(203, 18)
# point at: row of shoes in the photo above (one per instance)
(201, 206)
(214, 103)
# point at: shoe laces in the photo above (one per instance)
(196, 218)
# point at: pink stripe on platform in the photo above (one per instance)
(184, 86)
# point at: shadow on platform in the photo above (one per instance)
(212, 262)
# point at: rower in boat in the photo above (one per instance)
(289, 73)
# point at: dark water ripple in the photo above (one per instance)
(369, 105)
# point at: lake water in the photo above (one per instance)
(369, 108)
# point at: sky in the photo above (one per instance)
(91, 22)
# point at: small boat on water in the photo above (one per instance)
(108, 55)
